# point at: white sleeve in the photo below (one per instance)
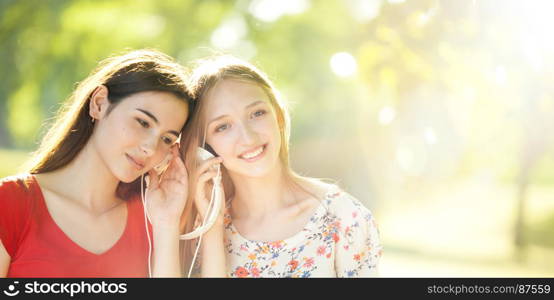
(358, 249)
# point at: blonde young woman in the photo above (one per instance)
(277, 223)
(77, 212)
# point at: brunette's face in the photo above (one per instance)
(242, 128)
(139, 132)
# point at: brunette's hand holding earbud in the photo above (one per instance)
(207, 171)
(167, 196)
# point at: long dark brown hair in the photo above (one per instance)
(123, 75)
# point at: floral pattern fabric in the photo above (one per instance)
(341, 239)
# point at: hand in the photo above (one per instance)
(166, 196)
(207, 171)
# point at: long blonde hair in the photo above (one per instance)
(206, 74)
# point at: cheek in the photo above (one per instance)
(125, 134)
(122, 137)
(270, 127)
(276, 130)
(262, 127)
(158, 158)
(275, 134)
(108, 133)
(224, 144)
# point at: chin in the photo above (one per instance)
(127, 177)
(255, 171)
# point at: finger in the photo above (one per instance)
(201, 184)
(197, 221)
(183, 169)
(175, 149)
(169, 168)
(175, 173)
(208, 164)
(205, 178)
(177, 170)
(162, 166)
(154, 180)
(171, 155)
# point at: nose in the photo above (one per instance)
(149, 146)
(247, 134)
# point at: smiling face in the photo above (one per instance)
(242, 128)
(137, 134)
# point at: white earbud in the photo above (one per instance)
(212, 213)
(146, 219)
(214, 206)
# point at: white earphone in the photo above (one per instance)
(159, 169)
(146, 221)
(215, 201)
(213, 208)
(212, 213)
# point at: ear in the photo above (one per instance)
(99, 102)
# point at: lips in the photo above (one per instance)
(138, 164)
(253, 154)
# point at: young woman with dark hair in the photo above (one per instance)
(77, 211)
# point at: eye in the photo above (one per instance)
(143, 123)
(166, 140)
(259, 113)
(222, 127)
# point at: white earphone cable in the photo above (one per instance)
(208, 211)
(146, 221)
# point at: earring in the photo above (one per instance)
(92, 119)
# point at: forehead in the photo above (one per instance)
(166, 107)
(152, 99)
(233, 94)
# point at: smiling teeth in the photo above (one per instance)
(253, 154)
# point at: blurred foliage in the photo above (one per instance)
(11, 161)
(386, 95)
(449, 71)
(437, 89)
(541, 232)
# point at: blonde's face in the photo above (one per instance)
(242, 127)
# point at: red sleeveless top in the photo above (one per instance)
(39, 248)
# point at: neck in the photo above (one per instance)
(260, 196)
(86, 180)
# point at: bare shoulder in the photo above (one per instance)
(309, 193)
(316, 188)
(335, 198)
(45, 181)
(52, 185)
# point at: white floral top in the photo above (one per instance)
(341, 239)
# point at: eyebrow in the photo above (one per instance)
(246, 107)
(149, 114)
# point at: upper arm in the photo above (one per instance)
(4, 260)
(14, 215)
(359, 247)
